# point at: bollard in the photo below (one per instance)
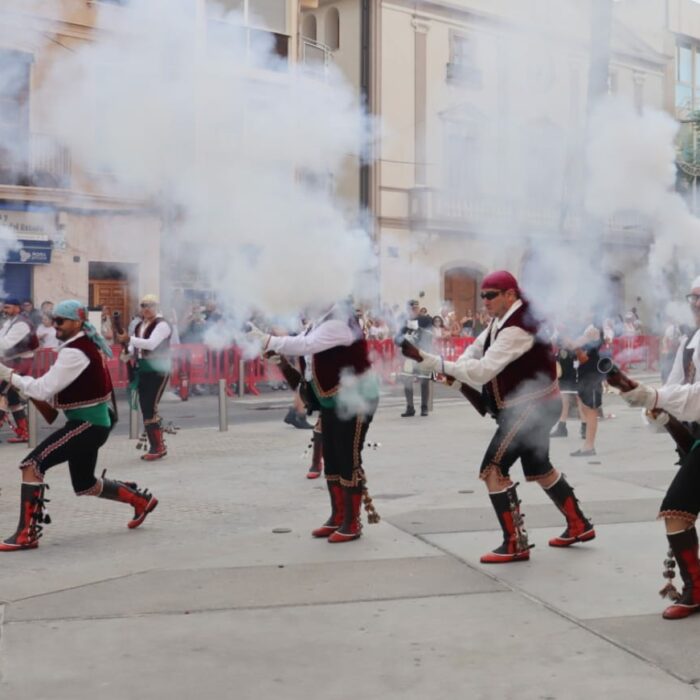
(223, 407)
(133, 422)
(33, 424)
(241, 377)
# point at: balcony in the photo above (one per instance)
(48, 165)
(438, 210)
(314, 56)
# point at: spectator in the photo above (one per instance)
(453, 327)
(467, 323)
(106, 329)
(30, 312)
(47, 308)
(668, 347)
(46, 333)
(439, 331)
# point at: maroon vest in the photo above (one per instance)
(163, 349)
(531, 377)
(327, 366)
(93, 384)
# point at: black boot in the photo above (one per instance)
(316, 456)
(31, 519)
(127, 492)
(156, 449)
(684, 548)
(515, 546)
(578, 527)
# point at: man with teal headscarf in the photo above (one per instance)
(79, 384)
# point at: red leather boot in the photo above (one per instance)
(684, 547)
(157, 449)
(351, 528)
(21, 430)
(128, 492)
(515, 546)
(316, 468)
(578, 527)
(31, 519)
(335, 520)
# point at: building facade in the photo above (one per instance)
(81, 233)
(471, 94)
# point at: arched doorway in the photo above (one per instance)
(461, 284)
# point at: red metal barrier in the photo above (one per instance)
(43, 359)
(637, 352)
(198, 364)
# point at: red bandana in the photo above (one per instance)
(502, 280)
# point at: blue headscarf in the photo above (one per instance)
(75, 311)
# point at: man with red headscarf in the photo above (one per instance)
(516, 371)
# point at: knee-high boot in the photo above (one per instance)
(142, 501)
(684, 548)
(515, 545)
(578, 527)
(31, 519)
(157, 449)
(335, 491)
(351, 527)
(316, 467)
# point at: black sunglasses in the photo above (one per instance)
(692, 298)
(489, 295)
(58, 321)
(147, 306)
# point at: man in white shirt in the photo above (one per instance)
(150, 347)
(518, 374)
(17, 344)
(679, 397)
(343, 387)
(79, 384)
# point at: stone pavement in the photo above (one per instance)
(206, 601)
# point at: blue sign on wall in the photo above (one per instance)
(30, 253)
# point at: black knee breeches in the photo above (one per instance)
(151, 388)
(523, 433)
(343, 441)
(682, 499)
(77, 443)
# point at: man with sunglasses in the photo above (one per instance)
(150, 346)
(516, 370)
(79, 384)
(18, 341)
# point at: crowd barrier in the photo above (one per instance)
(196, 364)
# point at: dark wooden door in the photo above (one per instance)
(111, 293)
(460, 291)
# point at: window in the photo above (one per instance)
(308, 27)
(14, 115)
(462, 67)
(263, 14)
(687, 79)
(332, 29)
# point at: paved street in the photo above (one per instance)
(207, 601)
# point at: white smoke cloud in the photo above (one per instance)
(236, 147)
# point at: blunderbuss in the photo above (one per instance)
(619, 380)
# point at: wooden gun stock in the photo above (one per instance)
(290, 373)
(472, 395)
(618, 379)
(119, 329)
(48, 412)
